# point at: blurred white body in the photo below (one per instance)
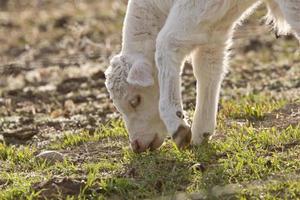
(162, 33)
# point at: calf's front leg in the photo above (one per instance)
(173, 43)
(169, 58)
(209, 71)
(188, 26)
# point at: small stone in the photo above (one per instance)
(57, 113)
(50, 156)
(181, 196)
(69, 105)
(230, 189)
(199, 195)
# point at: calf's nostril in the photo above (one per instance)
(135, 146)
(138, 146)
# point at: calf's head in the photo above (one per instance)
(134, 90)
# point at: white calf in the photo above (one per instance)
(163, 33)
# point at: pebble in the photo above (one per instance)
(51, 156)
(230, 189)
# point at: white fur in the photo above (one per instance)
(162, 33)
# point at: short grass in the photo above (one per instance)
(242, 162)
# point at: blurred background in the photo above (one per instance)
(53, 55)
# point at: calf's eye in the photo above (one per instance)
(135, 102)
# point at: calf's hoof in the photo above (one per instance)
(203, 138)
(182, 137)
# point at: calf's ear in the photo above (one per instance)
(141, 74)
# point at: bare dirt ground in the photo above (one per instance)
(53, 55)
(52, 60)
